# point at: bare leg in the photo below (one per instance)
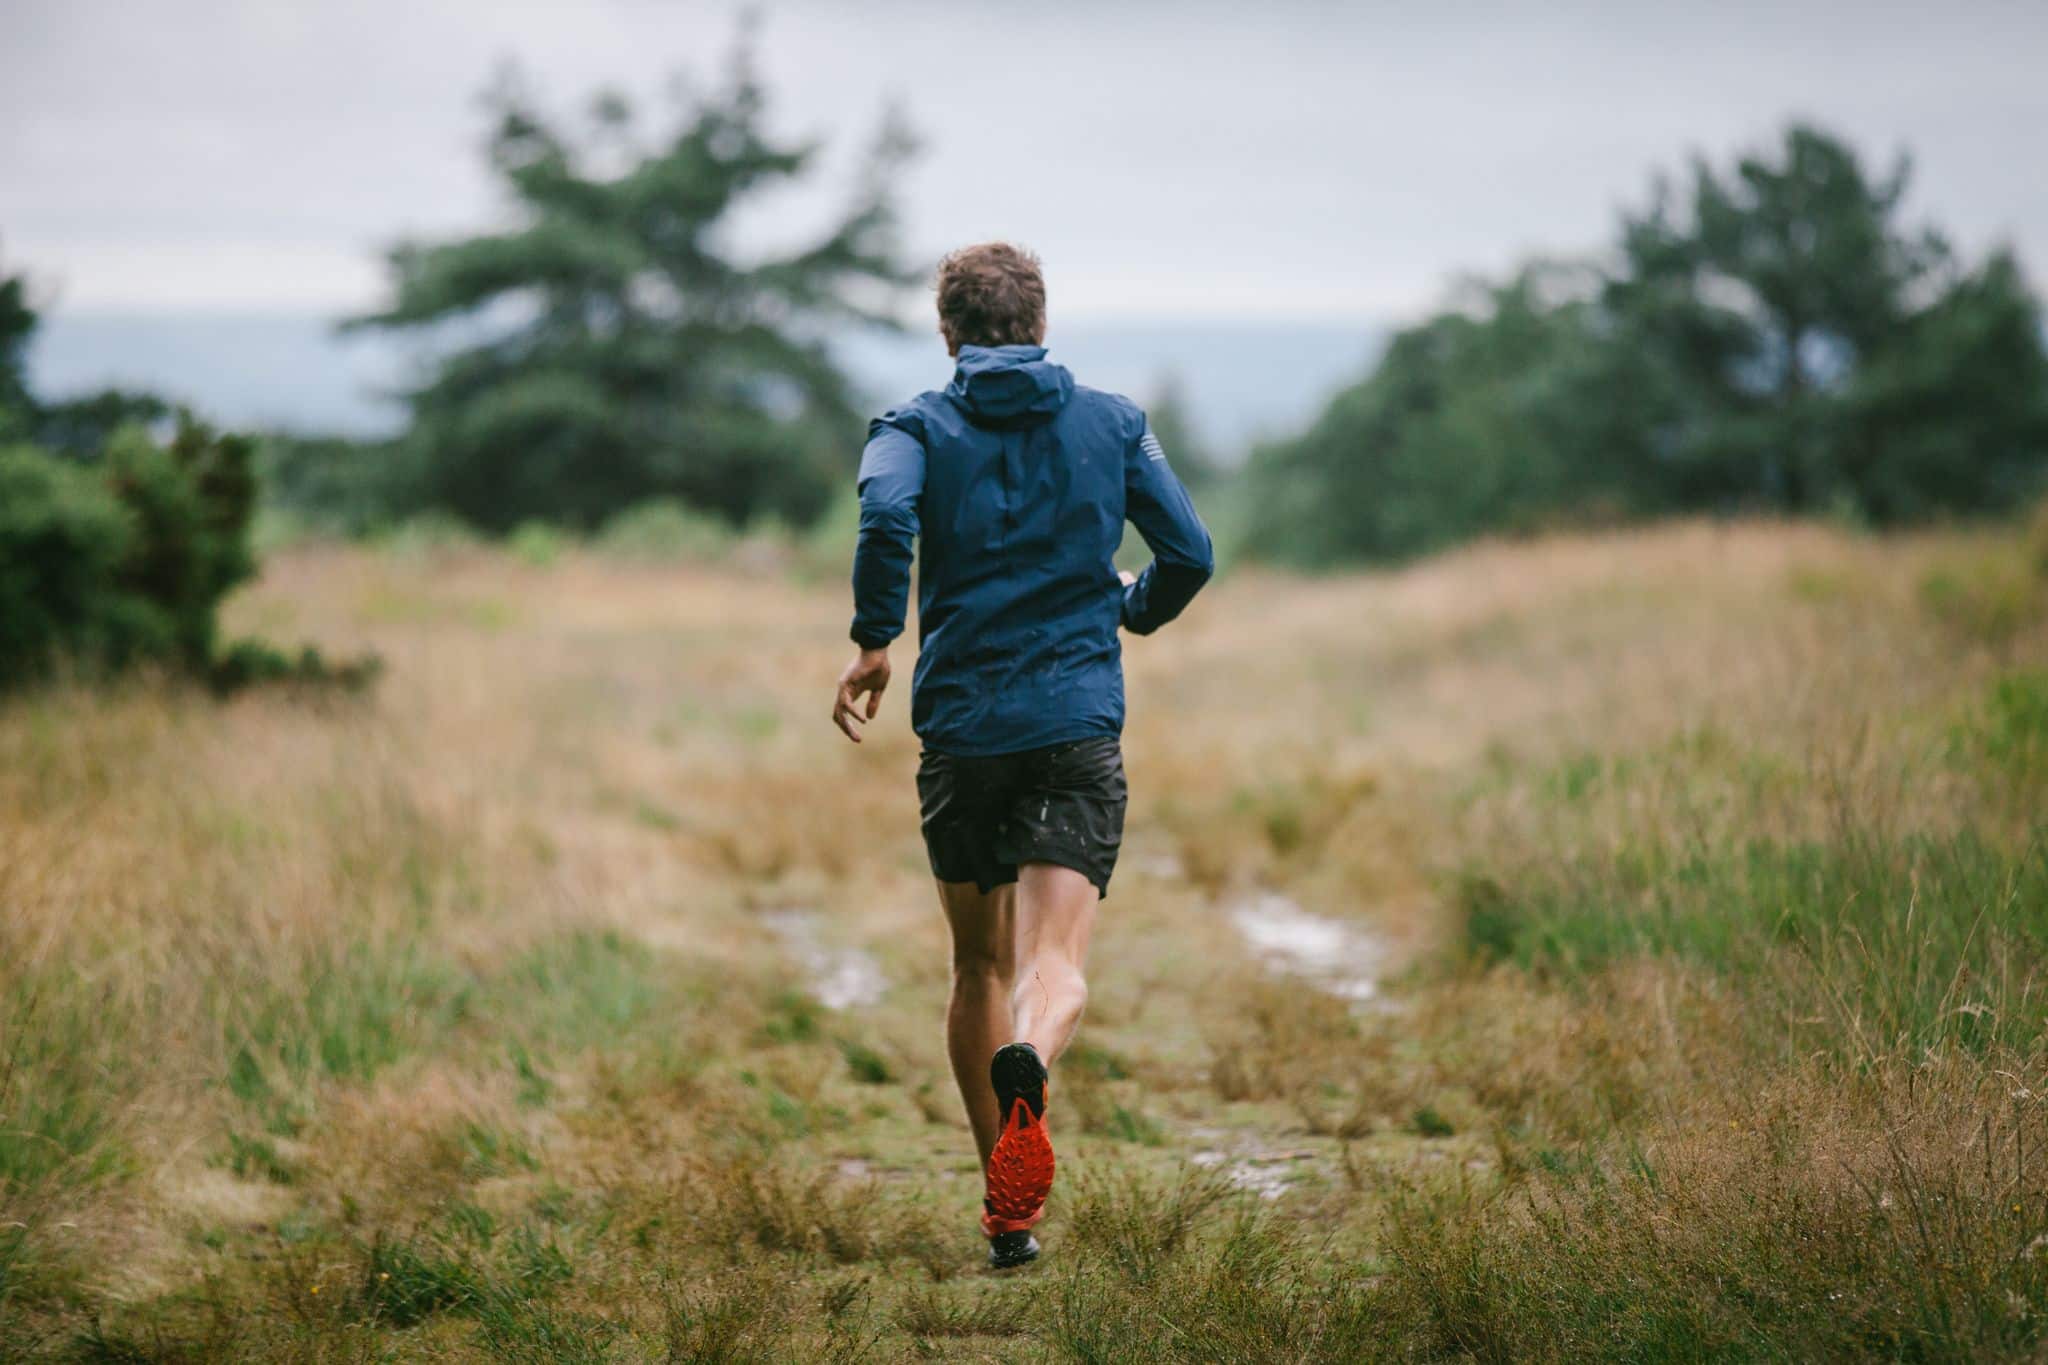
(978, 1014)
(1055, 914)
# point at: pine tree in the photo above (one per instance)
(17, 326)
(612, 345)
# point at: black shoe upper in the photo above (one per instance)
(1017, 1071)
(1007, 1249)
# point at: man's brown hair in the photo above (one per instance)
(991, 294)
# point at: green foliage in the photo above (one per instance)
(250, 662)
(191, 502)
(579, 989)
(1500, 415)
(82, 427)
(116, 549)
(865, 1064)
(431, 535)
(617, 352)
(1427, 1122)
(57, 1058)
(1174, 425)
(1779, 1255)
(2008, 734)
(1807, 351)
(536, 544)
(664, 529)
(1988, 598)
(17, 325)
(257, 1158)
(343, 1015)
(63, 536)
(1979, 910)
(406, 1282)
(1772, 337)
(125, 561)
(77, 427)
(343, 487)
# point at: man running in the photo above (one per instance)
(1015, 482)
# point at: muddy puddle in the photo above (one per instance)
(837, 978)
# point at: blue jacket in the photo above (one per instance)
(1016, 482)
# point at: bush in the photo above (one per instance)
(664, 529)
(126, 559)
(63, 534)
(2037, 538)
(536, 543)
(248, 662)
(1989, 599)
(431, 535)
(123, 562)
(338, 486)
(192, 502)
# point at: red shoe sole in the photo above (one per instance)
(1020, 1171)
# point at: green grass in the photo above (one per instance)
(1642, 1256)
(346, 1015)
(57, 1105)
(1916, 940)
(575, 990)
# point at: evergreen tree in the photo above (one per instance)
(1812, 353)
(1772, 338)
(1500, 413)
(17, 326)
(1178, 435)
(612, 346)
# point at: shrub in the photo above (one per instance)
(2007, 736)
(248, 662)
(338, 486)
(192, 501)
(127, 558)
(1989, 600)
(536, 543)
(125, 561)
(63, 535)
(664, 529)
(431, 535)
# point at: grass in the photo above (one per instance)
(1705, 866)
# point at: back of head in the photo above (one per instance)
(992, 312)
(991, 294)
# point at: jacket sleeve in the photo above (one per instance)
(891, 486)
(1182, 555)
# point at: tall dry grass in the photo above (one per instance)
(458, 1022)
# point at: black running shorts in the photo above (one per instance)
(1062, 804)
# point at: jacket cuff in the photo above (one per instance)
(868, 639)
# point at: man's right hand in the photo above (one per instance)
(869, 673)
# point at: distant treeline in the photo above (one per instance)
(1769, 337)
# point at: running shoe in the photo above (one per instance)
(1007, 1250)
(1020, 1168)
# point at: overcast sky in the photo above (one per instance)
(1271, 160)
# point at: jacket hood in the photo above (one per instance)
(1009, 386)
